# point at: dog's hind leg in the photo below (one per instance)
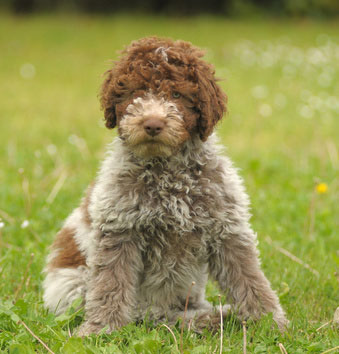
(66, 270)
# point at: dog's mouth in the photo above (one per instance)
(148, 147)
(152, 148)
(152, 141)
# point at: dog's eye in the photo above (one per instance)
(176, 95)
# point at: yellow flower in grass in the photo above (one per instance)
(321, 188)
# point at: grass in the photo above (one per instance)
(282, 131)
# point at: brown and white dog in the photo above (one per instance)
(165, 210)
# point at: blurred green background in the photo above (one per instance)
(281, 76)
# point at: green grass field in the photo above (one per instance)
(281, 130)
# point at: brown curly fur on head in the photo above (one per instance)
(170, 69)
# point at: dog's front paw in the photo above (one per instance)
(278, 317)
(210, 320)
(281, 321)
(88, 328)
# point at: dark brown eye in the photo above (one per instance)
(176, 95)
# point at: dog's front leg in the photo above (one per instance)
(234, 263)
(115, 268)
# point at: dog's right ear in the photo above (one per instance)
(109, 97)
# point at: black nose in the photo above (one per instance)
(153, 126)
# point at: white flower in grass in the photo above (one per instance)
(2, 224)
(27, 71)
(24, 224)
(51, 149)
(265, 110)
(259, 92)
(315, 56)
(315, 102)
(77, 141)
(306, 111)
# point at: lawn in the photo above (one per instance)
(281, 130)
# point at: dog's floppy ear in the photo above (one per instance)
(109, 97)
(212, 101)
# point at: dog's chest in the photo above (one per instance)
(167, 213)
(166, 201)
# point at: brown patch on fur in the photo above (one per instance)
(68, 254)
(85, 203)
(166, 68)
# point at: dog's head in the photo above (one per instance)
(159, 94)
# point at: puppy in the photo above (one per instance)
(166, 209)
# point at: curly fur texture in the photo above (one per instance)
(166, 209)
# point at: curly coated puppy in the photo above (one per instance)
(165, 210)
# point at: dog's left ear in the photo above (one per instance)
(109, 97)
(212, 102)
